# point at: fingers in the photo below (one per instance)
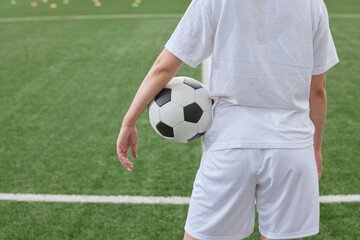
(123, 157)
(127, 137)
(134, 150)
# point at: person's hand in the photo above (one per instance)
(318, 159)
(127, 137)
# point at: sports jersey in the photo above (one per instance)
(263, 54)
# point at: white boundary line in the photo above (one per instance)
(90, 17)
(340, 198)
(125, 16)
(93, 199)
(135, 199)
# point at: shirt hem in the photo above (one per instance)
(242, 144)
(330, 64)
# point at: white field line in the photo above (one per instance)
(124, 16)
(135, 199)
(93, 199)
(340, 198)
(90, 17)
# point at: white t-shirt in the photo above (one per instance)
(263, 55)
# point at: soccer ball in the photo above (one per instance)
(181, 112)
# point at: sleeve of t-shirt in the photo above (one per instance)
(325, 55)
(192, 40)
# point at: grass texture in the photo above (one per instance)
(57, 221)
(65, 87)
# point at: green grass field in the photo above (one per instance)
(65, 86)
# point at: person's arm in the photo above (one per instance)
(160, 74)
(318, 105)
(163, 70)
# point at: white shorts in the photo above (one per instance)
(283, 182)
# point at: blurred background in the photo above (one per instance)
(69, 70)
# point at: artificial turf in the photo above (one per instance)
(66, 85)
(64, 89)
(55, 221)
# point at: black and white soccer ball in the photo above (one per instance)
(181, 111)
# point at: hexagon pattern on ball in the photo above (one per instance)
(193, 83)
(176, 116)
(164, 96)
(184, 131)
(183, 95)
(154, 115)
(181, 112)
(192, 112)
(195, 137)
(165, 130)
(201, 96)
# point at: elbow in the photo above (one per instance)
(166, 65)
(318, 85)
(318, 90)
(319, 93)
(160, 68)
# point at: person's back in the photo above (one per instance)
(265, 46)
(263, 56)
